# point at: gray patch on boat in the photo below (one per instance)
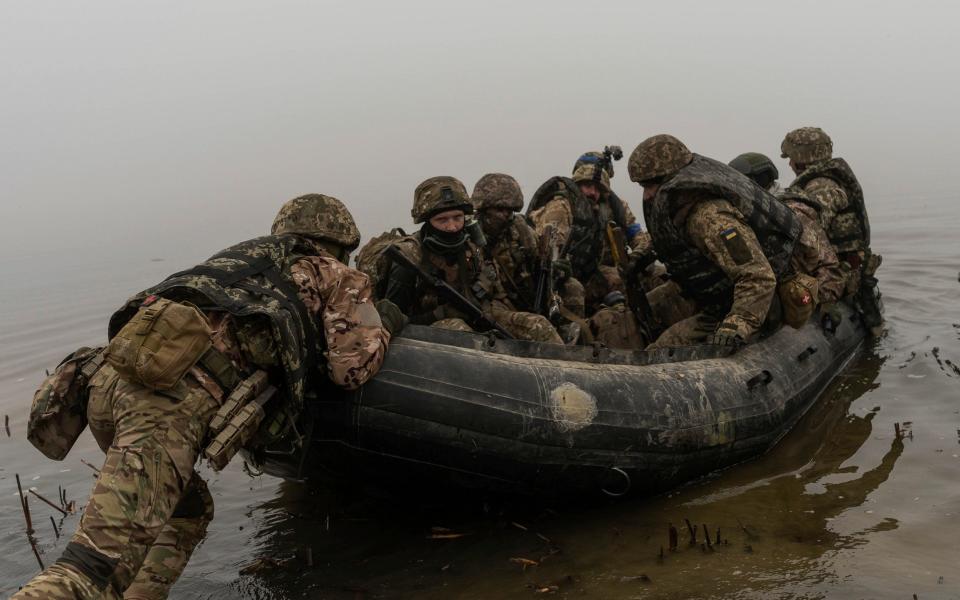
(571, 407)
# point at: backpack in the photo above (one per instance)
(58, 414)
(371, 261)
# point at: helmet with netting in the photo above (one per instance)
(496, 190)
(657, 157)
(318, 216)
(439, 194)
(807, 145)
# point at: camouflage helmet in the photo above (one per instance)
(438, 194)
(496, 190)
(318, 216)
(757, 167)
(807, 145)
(585, 169)
(657, 157)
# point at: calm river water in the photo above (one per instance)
(839, 509)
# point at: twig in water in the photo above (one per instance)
(706, 536)
(6, 424)
(55, 530)
(95, 470)
(693, 533)
(24, 506)
(33, 546)
(673, 538)
(51, 504)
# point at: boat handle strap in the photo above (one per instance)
(762, 378)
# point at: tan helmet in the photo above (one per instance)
(318, 216)
(657, 157)
(585, 169)
(807, 145)
(496, 190)
(438, 194)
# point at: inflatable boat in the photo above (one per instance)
(470, 410)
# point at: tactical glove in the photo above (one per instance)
(391, 316)
(726, 335)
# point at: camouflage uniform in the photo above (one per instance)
(830, 183)
(452, 256)
(566, 217)
(149, 509)
(719, 236)
(616, 327)
(708, 224)
(815, 255)
(511, 242)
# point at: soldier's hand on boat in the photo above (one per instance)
(726, 335)
(391, 315)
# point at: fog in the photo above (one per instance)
(167, 125)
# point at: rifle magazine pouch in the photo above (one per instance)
(798, 297)
(160, 343)
(58, 414)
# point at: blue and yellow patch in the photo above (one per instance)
(736, 246)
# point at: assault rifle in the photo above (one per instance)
(636, 296)
(475, 315)
(545, 299)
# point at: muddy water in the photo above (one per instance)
(840, 508)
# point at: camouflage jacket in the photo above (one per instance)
(843, 215)
(280, 301)
(467, 272)
(727, 266)
(815, 255)
(720, 232)
(514, 252)
(579, 225)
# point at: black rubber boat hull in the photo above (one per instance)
(520, 417)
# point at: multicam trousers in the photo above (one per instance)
(149, 509)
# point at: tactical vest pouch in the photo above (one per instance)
(238, 430)
(798, 298)
(616, 327)
(160, 343)
(58, 414)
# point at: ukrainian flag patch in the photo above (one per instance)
(736, 246)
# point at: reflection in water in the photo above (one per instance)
(775, 516)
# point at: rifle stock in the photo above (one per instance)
(474, 313)
(545, 300)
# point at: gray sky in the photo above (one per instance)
(131, 124)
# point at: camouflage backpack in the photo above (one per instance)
(371, 260)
